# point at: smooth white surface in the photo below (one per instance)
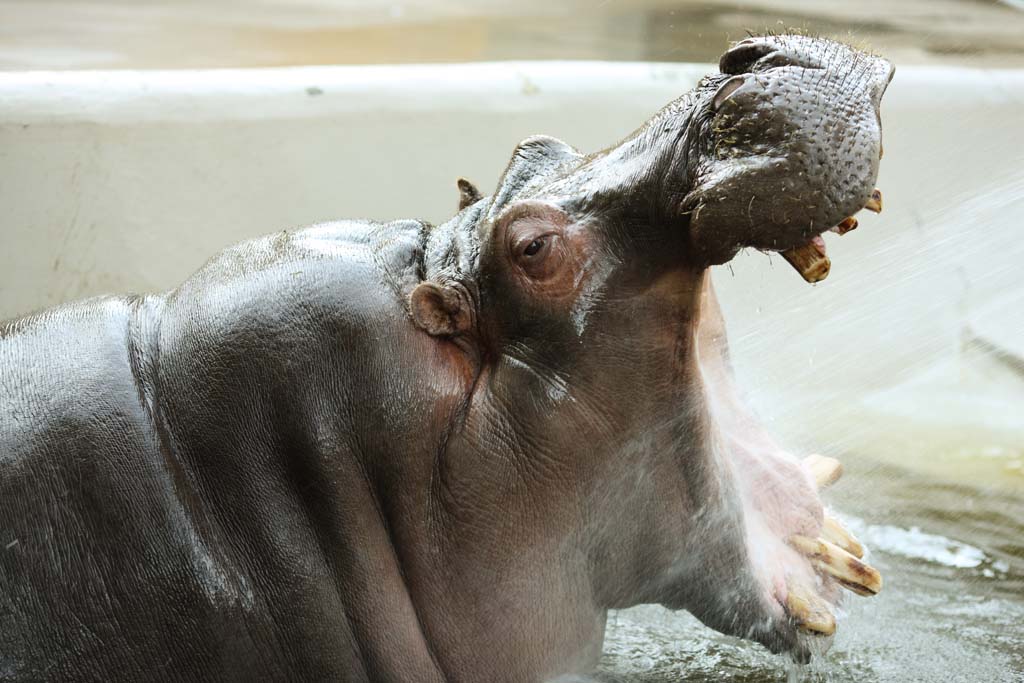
(115, 181)
(128, 181)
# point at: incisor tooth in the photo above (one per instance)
(810, 613)
(834, 532)
(875, 202)
(830, 559)
(826, 470)
(846, 225)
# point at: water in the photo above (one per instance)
(952, 608)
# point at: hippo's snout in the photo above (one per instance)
(795, 140)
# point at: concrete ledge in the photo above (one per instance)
(113, 97)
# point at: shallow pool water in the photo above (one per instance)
(952, 609)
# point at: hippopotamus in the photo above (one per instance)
(396, 451)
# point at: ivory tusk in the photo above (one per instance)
(810, 613)
(826, 470)
(834, 532)
(850, 572)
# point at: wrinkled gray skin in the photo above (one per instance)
(368, 451)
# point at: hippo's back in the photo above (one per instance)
(85, 503)
(108, 567)
(60, 371)
(150, 527)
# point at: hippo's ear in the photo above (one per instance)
(439, 311)
(468, 193)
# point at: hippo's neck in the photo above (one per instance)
(547, 464)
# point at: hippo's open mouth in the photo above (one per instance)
(791, 151)
(811, 259)
(799, 554)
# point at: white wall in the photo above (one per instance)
(128, 181)
(114, 181)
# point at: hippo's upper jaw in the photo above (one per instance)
(792, 140)
(578, 291)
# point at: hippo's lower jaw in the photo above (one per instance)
(804, 572)
(797, 560)
(799, 554)
(781, 585)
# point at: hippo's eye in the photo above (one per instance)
(534, 247)
(533, 233)
(539, 255)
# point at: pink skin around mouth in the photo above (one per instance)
(779, 495)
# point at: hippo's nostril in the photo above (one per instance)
(742, 56)
(725, 91)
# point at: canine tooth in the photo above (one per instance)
(846, 225)
(809, 261)
(830, 559)
(834, 532)
(826, 470)
(810, 613)
(875, 202)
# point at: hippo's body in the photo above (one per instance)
(368, 451)
(180, 482)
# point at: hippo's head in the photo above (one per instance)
(601, 425)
